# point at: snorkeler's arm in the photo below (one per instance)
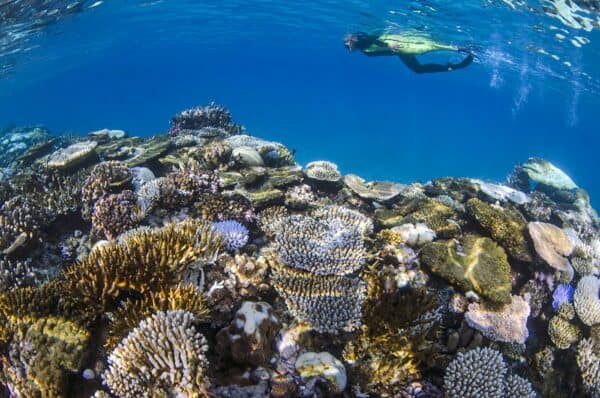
(413, 64)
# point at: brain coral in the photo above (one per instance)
(326, 303)
(586, 301)
(477, 373)
(163, 357)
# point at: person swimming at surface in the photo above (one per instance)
(406, 47)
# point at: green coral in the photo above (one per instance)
(505, 226)
(480, 265)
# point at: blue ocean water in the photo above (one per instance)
(282, 69)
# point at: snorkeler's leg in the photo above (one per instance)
(413, 64)
(464, 63)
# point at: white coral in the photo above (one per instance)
(586, 301)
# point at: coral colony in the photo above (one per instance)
(207, 262)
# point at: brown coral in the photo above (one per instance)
(106, 177)
(115, 214)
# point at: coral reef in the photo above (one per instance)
(163, 356)
(206, 262)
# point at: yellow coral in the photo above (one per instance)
(182, 297)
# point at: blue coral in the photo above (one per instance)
(562, 294)
(234, 234)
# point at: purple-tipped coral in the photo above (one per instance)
(562, 294)
(235, 235)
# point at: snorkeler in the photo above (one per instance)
(407, 47)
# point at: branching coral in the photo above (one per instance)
(270, 219)
(326, 303)
(115, 214)
(17, 273)
(106, 177)
(516, 386)
(586, 300)
(147, 260)
(163, 357)
(183, 188)
(350, 219)
(131, 313)
(200, 117)
(588, 361)
(19, 223)
(477, 373)
(233, 234)
(216, 207)
(395, 339)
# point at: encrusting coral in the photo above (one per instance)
(164, 356)
(477, 264)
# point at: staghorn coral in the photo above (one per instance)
(40, 356)
(478, 264)
(104, 178)
(199, 117)
(477, 373)
(115, 214)
(323, 171)
(164, 356)
(146, 260)
(507, 324)
(233, 234)
(506, 226)
(588, 362)
(182, 297)
(318, 246)
(18, 273)
(327, 303)
(586, 300)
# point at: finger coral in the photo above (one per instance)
(516, 386)
(19, 223)
(586, 300)
(164, 356)
(182, 297)
(588, 361)
(327, 303)
(477, 373)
